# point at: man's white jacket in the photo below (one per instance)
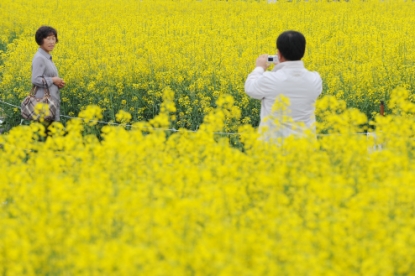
(293, 89)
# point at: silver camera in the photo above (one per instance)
(273, 59)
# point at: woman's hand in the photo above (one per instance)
(58, 82)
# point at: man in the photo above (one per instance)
(289, 82)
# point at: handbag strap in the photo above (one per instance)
(34, 88)
(46, 87)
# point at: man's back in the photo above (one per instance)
(291, 80)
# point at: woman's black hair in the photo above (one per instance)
(291, 45)
(43, 32)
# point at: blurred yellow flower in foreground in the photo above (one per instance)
(154, 202)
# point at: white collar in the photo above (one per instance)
(289, 64)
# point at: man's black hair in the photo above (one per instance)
(291, 44)
(43, 32)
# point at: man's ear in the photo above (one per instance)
(280, 56)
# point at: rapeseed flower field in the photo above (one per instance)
(141, 198)
(147, 202)
(121, 55)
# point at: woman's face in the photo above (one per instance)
(49, 43)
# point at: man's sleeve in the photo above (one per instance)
(38, 71)
(320, 84)
(257, 85)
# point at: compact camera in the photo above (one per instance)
(273, 59)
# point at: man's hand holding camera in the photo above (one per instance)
(265, 61)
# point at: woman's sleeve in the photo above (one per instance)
(38, 71)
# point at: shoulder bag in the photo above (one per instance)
(48, 109)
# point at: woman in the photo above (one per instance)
(43, 68)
